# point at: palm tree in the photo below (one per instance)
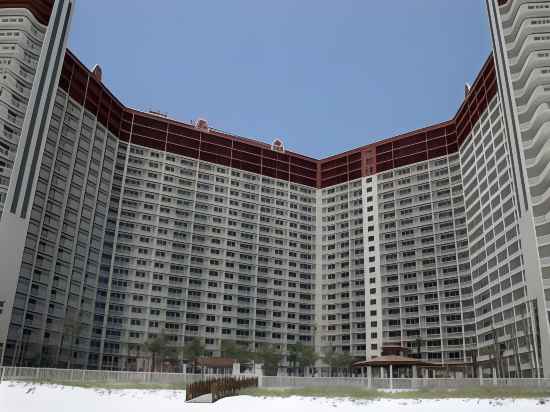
(339, 361)
(234, 350)
(301, 356)
(473, 356)
(193, 351)
(418, 345)
(292, 358)
(136, 348)
(306, 356)
(156, 346)
(71, 330)
(270, 357)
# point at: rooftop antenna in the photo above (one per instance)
(467, 89)
(202, 124)
(278, 146)
(97, 72)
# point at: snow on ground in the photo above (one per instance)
(22, 397)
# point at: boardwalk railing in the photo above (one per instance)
(183, 379)
(231, 386)
(219, 388)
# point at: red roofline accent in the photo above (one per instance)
(220, 133)
(251, 155)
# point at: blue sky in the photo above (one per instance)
(324, 75)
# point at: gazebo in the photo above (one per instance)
(395, 366)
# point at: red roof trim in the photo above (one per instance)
(257, 157)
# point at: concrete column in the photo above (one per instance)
(494, 374)
(258, 371)
(391, 376)
(369, 377)
(236, 368)
(480, 373)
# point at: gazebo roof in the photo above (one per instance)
(396, 360)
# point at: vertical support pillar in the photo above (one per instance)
(369, 377)
(258, 371)
(391, 376)
(480, 373)
(236, 369)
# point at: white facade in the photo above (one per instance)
(426, 285)
(32, 61)
(104, 243)
(521, 42)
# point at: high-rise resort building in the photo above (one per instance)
(118, 225)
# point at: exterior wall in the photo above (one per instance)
(349, 296)
(214, 146)
(21, 43)
(502, 301)
(521, 42)
(55, 303)
(208, 251)
(27, 132)
(373, 283)
(426, 285)
(117, 226)
(343, 319)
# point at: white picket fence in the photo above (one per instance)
(99, 376)
(182, 379)
(399, 383)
